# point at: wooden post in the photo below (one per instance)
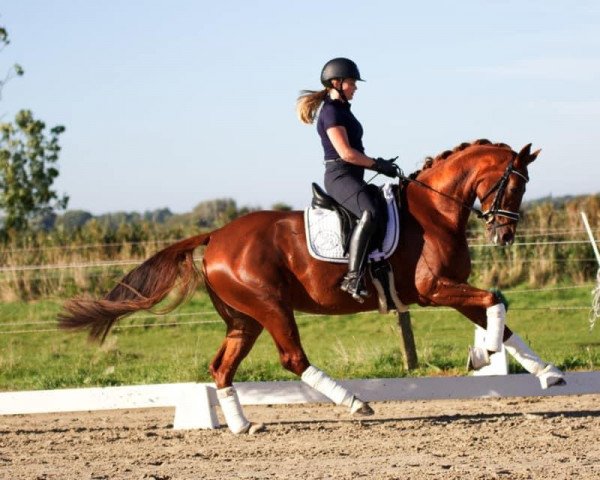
(408, 341)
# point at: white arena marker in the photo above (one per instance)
(195, 407)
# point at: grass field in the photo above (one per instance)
(178, 347)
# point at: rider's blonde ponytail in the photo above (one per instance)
(308, 104)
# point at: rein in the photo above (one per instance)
(495, 210)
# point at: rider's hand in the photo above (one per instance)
(387, 167)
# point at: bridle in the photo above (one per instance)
(500, 188)
(494, 211)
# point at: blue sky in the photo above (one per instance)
(170, 102)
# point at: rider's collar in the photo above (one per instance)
(337, 101)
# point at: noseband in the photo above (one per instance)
(500, 188)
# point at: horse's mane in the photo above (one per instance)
(431, 161)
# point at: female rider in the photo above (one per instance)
(345, 160)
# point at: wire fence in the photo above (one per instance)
(472, 235)
(136, 261)
(299, 316)
(8, 273)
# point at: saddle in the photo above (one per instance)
(347, 219)
(329, 226)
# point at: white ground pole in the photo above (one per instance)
(195, 403)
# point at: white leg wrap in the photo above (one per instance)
(524, 355)
(326, 385)
(547, 374)
(232, 410)
(496, 315)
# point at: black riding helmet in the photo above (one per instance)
(339, 68)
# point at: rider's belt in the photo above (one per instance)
(335, 160)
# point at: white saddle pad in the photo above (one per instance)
(324, 236)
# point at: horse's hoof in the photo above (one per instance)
(477, 358)
(256, 428)
(362, 409)
(252, 428)
(551, 377)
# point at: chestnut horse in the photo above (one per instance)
(258, 271)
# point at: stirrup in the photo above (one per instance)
(354, 285)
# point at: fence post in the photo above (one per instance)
(408, 341)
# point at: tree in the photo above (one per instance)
(281, 207)
(160, 215)
(16, 69)
(28, 158)
(74, 219)
(213, 213)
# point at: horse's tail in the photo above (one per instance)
(141, 289)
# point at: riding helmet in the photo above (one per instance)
(339, 68)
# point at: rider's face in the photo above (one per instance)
(348, 87)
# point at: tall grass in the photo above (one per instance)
(63, 263)
(551, 247)
(179, 347)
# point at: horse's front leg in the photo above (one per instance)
(486, 310)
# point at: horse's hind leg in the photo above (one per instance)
(237, 344)
(242, 332)
(282, 327)
(547, 373)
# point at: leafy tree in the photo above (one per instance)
(281, 206)
(214, 212)
(74, 219)
(16, 69)
(28, 157)
(160, 215)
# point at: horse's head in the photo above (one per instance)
(501, 193)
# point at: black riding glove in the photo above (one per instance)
(387, 167)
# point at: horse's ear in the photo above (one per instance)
(525, 157)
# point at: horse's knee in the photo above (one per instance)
(295, 363)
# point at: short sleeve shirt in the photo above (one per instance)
(336, 113)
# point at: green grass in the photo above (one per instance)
(353, 346)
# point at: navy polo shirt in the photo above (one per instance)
(336, 113)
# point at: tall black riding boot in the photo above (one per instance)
(359, 242)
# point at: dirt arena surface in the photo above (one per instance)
(519, 438)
